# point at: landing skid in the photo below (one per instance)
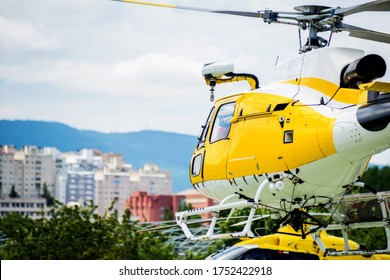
(304, 223)
(229, 202)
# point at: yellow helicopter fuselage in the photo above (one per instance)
(288, 241)
(304, 124)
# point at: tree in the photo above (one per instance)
(13, 193)
(378, 178)
(76, 233)
(168, 214)
(50, 200)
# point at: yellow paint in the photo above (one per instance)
(364, 168)
(331, 90)
(325, 136)
(215, 159)
(150, 4)
(294, 243)
(257, 140)
(312, 138)
(235, 78)
(254, 133)
(376, 86)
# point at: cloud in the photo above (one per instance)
(146, 73)
(381, 159)
(117, 66)
(8, 111)
(20, 36)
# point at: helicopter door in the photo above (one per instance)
(256, 146)
(217, 148)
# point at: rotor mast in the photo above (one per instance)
(313, 18)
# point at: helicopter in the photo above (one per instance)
(301, 142)
(287, 246)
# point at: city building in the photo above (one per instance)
(117, 181)
(27, 172)
(114, 187)
(80, 187)
(195, 199)
(147, 207)
(153, 208)
(154, 181)
(30, 207)
(76, 177)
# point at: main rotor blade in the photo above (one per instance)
(367, 34)
(375, 6)
(235, 13)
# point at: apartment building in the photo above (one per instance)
(31, 207)
(27, 172)
(117, 181)
(153, 208)
(80, 187)
(74, 178)
(24, 176)
(155, 181)
(146, 207)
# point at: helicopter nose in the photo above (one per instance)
(374, 116)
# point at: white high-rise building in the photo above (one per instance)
(117, 181)
(27, 171)
(155, 181)
(24, 175)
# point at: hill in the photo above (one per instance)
(171, 151)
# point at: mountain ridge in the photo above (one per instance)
(171, 151)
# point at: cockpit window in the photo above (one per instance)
(222, 122)
(205, 128)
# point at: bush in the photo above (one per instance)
(77, 233)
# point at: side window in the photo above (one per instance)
(205, 129)
(222, 122)
(196, 165)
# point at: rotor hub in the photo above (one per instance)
(311, 9)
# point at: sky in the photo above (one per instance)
(115, 67)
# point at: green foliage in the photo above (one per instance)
(184, 206)
(212, 248)
(13, 193)
(378, 178)
(77, 233)
(168, 214)
(50, 199)
(369, 238)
